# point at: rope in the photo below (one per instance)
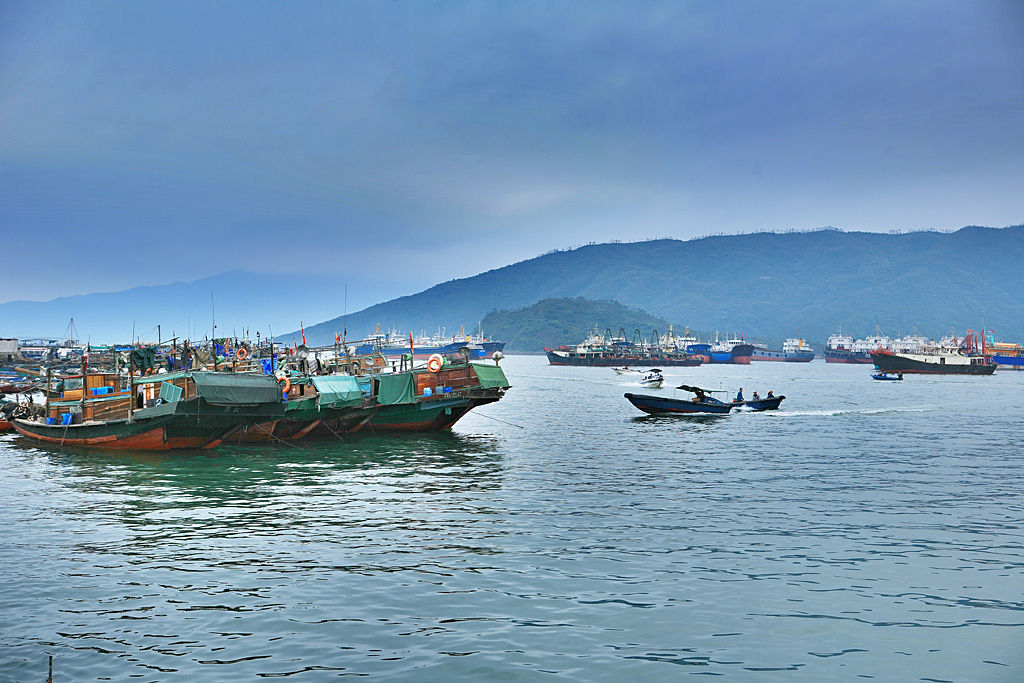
(260, 427)
(501, 421)
(331, 430)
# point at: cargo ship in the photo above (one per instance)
(1006, 356)
(599, 350)
(793, 351)
(731, 351)
(841, 348)
(938, 363)
(950, 356)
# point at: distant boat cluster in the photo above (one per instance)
(971, 354)
(608, 350)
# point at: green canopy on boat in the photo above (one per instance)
(338, 391)
(490, 376)
(398, 388)
(228, 388)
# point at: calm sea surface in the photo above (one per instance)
(866, 530)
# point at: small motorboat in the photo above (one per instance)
(700, 404)
(624, 370)
(891, 376)
(652, 379)
(766, 403)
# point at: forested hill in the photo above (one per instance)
(762, 284)
(552, 322)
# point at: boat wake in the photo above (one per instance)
(850, 411)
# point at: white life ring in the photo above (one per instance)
(435, 362)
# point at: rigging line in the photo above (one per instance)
(324, 423)
(497, 420)
(260, 427)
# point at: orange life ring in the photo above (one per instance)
(287, 382)
(435, 362)
(242, 353)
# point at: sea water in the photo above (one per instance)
(865, 530)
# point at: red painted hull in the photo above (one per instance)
(155, 439)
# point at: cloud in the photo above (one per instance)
(192, 138)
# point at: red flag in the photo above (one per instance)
(411, 352)
(303, 333)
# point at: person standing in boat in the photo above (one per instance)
(739, 395)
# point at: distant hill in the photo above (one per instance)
(240, 300)
(765, 285)
(552, 322)
(762, 284)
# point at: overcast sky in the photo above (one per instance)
(416, 142)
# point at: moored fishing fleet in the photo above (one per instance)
(168, 396)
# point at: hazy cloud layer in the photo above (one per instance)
(143, 143)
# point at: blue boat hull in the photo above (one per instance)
(1009, 362)
(661, 405)
(760, 403)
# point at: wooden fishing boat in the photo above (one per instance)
(700, 404)
(422, 400)
(157, 412)
(317, 406)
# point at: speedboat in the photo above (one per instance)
(624, 370)
(701, 403)
(767, 403)
(653, 379)
(891, 376)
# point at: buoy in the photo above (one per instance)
(242, 353)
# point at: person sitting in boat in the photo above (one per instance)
(739, 395)
(698, 396)
(771, 394)
(756, 396)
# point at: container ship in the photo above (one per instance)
(793, 351)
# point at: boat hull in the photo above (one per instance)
(844, 356)
(950, 364)
(783, 356)
(426, 415)
(607, 360)
(740, 354)
(1008, 362)
(145, 435)
(662, 405)
(192, 424)
(759, 404)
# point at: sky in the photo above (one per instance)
(408, 143)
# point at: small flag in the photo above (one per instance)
(303, 333)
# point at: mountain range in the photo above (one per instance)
(768, 285)
(761, 284)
